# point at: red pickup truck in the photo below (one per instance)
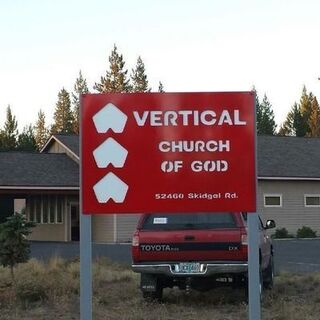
(196, 251)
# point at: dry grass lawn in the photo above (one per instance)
(51, 292)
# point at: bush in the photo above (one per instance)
(306, 232)
(30, 290)
(282, 234)
(30, 282)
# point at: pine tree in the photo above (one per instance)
(294, 123)
(10, 132)
(41, 133)
(286, 129)
(14, 245)
(305, 109)
(258, 107)
(265, 117)
(314, 119)
(63, 117)
(115, 79)
(160, 88)
(139, 78)
(298, 124)
(80, 87)
(26, 140)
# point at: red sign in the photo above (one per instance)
(168, 152)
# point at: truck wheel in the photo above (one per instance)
(269, 275)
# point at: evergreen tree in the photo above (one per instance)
(298, 123)
(41, 133)
(80, 87)
(305, 110)
(26, 140)
(314, 119)
(139, 78)
(265, 117)
(10, 132)
(115, 79)
(14, 246)
(258, 108)
(286, 127)
(305, 101)
(160, 88)
(63, 118)
(294, 123)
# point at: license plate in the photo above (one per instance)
(189, 267)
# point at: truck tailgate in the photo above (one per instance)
(190, 245)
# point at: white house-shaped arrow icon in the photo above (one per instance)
(109, 117)
(110, 187)
(112, 152)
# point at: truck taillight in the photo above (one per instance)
(244, 236)
(244, 239)
(135, 240)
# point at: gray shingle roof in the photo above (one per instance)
(288, 157)
(38, 169)
(71, 141)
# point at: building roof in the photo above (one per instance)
(68, 141)
(288, 157)
(23, 169)
(278, 158)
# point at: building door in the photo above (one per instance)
(6, 207)
(75, 227)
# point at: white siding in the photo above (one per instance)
(126, 225)
(293, 214)
(102, 228)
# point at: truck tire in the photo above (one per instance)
(269, 275)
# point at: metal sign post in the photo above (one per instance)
(254, 268)
(85, 251)
(254, 285)
(85, 268)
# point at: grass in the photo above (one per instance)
(51, 291)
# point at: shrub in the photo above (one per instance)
(282, 233)
(306, 232)
(30, 290)
(31, 282)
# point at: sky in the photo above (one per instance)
(198, 45)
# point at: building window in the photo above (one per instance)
(312, 200)
(46, 209)
(273, 200)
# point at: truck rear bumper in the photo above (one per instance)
(206, 268)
